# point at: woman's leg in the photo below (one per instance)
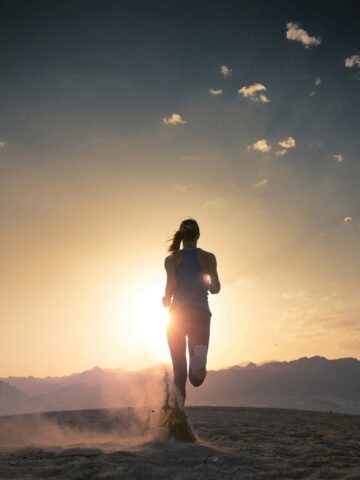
(177, 345)
(198, 332)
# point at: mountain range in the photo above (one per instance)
(314, 383)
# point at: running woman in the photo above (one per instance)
(191, 274)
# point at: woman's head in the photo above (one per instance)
(188, 231)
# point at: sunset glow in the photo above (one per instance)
(147, 319)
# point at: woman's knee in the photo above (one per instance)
(198, 379)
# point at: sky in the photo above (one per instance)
(120, 119)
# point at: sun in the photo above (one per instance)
(147, 318)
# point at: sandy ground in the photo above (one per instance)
(233, 443)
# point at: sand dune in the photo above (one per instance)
(233, 443)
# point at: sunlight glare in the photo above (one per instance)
(148, 318)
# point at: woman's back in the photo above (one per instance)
(191, 274)
(191, 271)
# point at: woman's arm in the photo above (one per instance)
(214, 286)
(170, 281)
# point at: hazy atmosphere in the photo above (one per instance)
(119, 119)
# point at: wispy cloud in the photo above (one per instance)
(261, 145)
(316, 83)
(2, 143)
(353, 61)
(288, 143)
(281, 153)
(262, 183)
(338, 157)
(294, 32)
(254, 92)
(225, 70)
(174, 119)
(318, 320)
(347, 220)
(263, 98)
(215, 91)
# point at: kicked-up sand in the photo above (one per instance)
(228, 443)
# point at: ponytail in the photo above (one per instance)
(176, 241)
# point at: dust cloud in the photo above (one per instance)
(153, 414)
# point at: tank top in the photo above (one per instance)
(190, 287)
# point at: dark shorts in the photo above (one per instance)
(191, 321)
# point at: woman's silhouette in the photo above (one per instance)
(191, 274)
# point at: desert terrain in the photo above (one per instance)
(231, 443)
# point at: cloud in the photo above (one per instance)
(2, 144)
(347, 220)
(263, 98)
(338, 157)
(294, 32)
(305, 321)
(260, 145)
(353, 61)
(288, 143)
(281, 152)
(328, 317)
(225, 71)
(182, 187)
(253, 93)
(316, 83)
(262, 183)
(174, 119)
(215, 91)
(263, 146)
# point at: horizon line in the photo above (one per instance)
(243, 364)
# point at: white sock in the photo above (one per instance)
(198, 360)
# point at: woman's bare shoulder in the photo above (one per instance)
(206, 255)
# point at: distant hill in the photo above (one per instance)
(307, 383)
(95, 388)
(10, 396)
